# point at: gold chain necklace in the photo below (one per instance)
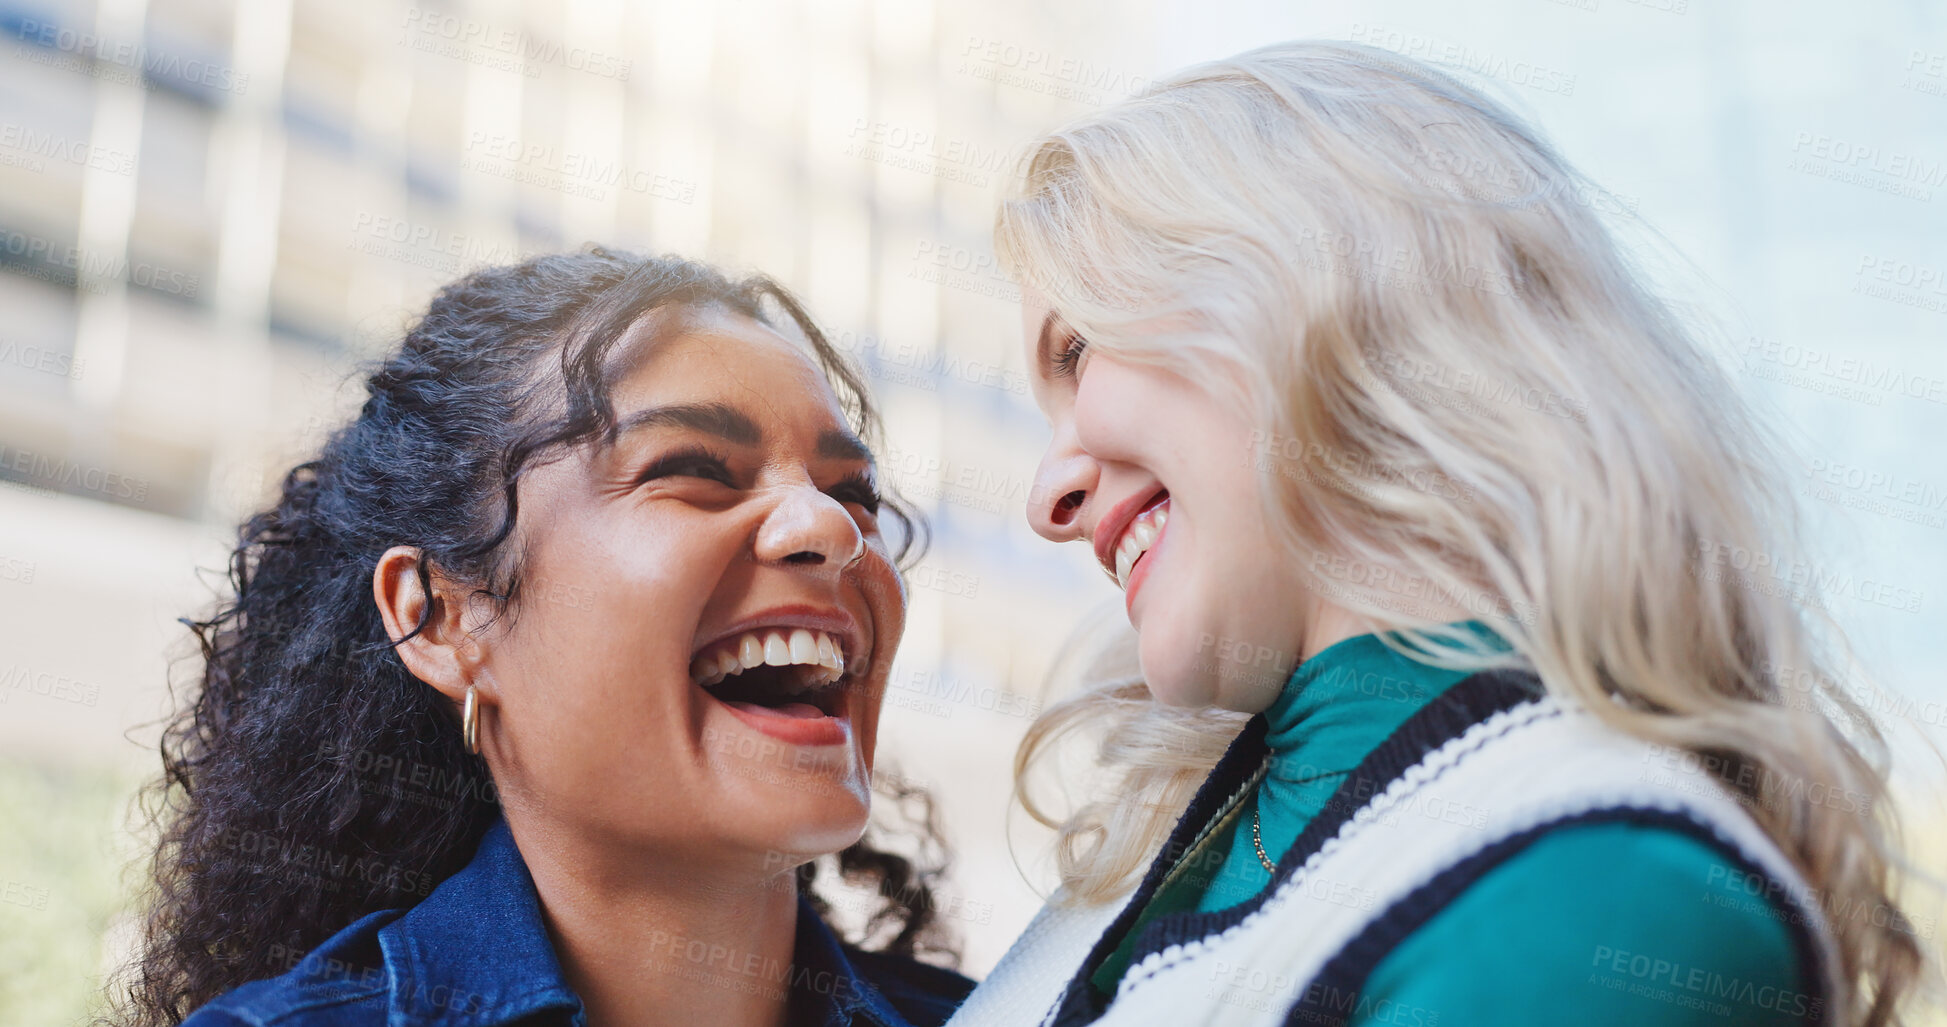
(1257, 839)
(1257, 819)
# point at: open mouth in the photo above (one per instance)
(1140, 536)
(794, 673)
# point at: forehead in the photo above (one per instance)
(696, 354)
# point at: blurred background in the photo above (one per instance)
(211, 212)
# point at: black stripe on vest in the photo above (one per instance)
(1334, 996)
(1448, 716)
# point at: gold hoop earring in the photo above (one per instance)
(470, 721)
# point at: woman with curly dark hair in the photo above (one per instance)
(545, 685)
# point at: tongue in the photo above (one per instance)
(794, 710)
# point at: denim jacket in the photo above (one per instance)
(474, 953)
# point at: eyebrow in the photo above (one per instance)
(839, 444)
(720, 419)
(733, 425)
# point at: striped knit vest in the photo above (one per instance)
(1469, 781)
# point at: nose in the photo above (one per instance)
(810, 530)
(1063, 486)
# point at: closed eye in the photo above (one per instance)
(857, 488)
(1066, 363)
(688, 463)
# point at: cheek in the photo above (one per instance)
(634, 588)
(1160, 421)
(885, 602)
(1109, 409)
(605, 625)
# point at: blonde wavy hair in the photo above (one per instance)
(1469, 400)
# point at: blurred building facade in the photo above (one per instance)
(211, 211)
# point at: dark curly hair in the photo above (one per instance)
(308, 777)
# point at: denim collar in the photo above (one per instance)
(826, 989)
(475, 953)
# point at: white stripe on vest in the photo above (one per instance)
(1534, 764)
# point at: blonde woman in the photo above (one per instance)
(1458, 701)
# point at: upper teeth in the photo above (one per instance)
(771, 647)
(1137, 538)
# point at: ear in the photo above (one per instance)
(442, 653)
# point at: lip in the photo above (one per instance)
(1108, 530)
(810, 732)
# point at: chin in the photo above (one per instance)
(814, 829)
(1176, 678)
(1170, 667)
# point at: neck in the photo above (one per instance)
(642, 941)
(1328, 625)
(1358, 681)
